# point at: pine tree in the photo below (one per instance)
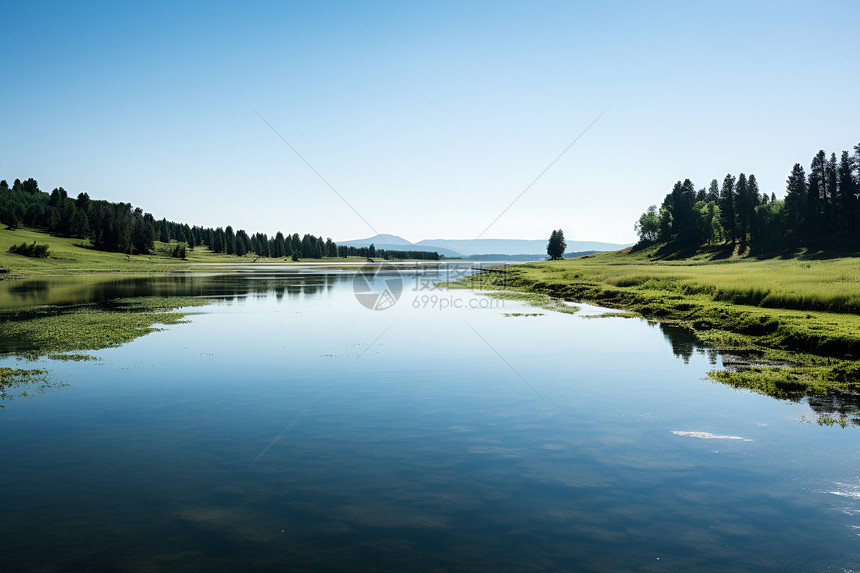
(280, 248)
(556, 246)
(262, 245)
(796, 199)
(229, 240)
(742, 207)
(295, 245)
(727, 207)
(847, 211)
(218, 240)
(753, 201)
(552, 245)
(831, 192)
(714, 191)
(815, 197)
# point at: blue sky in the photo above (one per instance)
(429, 118)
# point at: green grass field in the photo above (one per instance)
(75, 256)
(831, 285)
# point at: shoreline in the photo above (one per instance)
(777, 336)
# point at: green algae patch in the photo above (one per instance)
(17, 383)
(73, 357)
(613, 315)
(54, 330)
(833, 400)
(782, 383)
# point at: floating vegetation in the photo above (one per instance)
(782, 383)
(613, 315)
(829, 421)
(73, 357)
(524, 314)
(811, 383)
(17, 383)
(52, 330)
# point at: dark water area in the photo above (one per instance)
(288, 427)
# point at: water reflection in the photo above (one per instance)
(428, 454)
(95, 289)
(683, 342)
(835, 407)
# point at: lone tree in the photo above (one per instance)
(556, 246)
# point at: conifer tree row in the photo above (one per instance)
(121, 228)
(826, 202)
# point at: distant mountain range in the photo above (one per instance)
(466, 247)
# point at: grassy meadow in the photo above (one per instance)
(76, 256)
(830, 285)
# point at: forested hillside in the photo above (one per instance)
(119, 227)
(825, 202)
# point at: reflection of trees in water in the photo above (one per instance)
(685, 343)
(84, 290)
(833, 408)
(839, 407)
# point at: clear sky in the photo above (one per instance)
(429, 118)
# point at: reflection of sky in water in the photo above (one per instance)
(424, 451)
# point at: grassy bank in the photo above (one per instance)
(76, 256)
(803, 310)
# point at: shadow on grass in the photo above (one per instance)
(793, 248)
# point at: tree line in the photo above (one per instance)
(119, 227)
(387, 254)
(826, 201)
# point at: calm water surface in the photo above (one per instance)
(287, 427)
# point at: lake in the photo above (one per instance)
(287, 426)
